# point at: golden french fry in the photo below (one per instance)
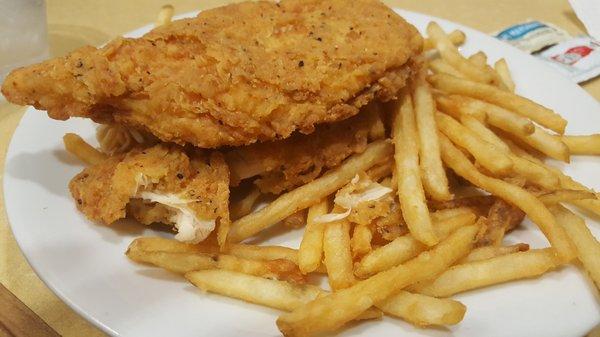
(591, 205)
(378, 172)
(503, 72)
(479, 59)
(158, 244)
(486, 154)
(499, 117)
(449, 53)
(534, 208)
(433, 175)
(272, 293)
(456, 36)
(454, 106)
(361, 240)
(406, 247)
(338, 257)
(554, 197)
(263, 252)
(244, 206)
(441, 66)
(183, 262)
(546, 143)
(531, 171)
(451, 212)
(507, 100)
(309, 194)
(484, 273)
(165, 15)
(588, 247)
(82, 150)
(488, 252)
(583, 145)
(311, 247)
(410, 189)
(422, 310)
(346, 304)
(176, 262)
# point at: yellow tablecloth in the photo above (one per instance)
(73, 23)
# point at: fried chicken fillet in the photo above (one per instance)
(162, 183)
(234, 75)
(282, 165)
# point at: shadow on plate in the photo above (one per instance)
(23, 167)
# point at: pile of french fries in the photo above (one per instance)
(461, 167)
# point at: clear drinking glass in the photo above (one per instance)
(23, 34)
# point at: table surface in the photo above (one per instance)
(74, 23)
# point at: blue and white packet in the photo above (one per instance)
(578, 58)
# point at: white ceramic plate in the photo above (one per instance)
(83, 263)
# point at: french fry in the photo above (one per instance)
(449, 53)
(406, 247)
(441, 66)
(507, 100)
(309, 194)
(534, 208)
(503, 72)
(311, 247)
(479, 59)
(554, 197)
(346, 304)
(272, 293)
(591, 205)
(82, 150)
(410, 190)
(546, 143)
(422, 310)
(165, 15)
(338, 257)
(244, 206)
(486, 154)
(185, 262)
(583, 145)
(158, 244)
(433, 175)
(488, 252)
(380, 171)
(456, 36)
(360, 243)
(473, 275)
(588, 247)
(263, 252)
(454, 106)
(531, 171)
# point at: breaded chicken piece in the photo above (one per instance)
(234, 75)
(283, 165)
(158, 184)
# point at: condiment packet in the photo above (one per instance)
(578, 58)
(532, 36)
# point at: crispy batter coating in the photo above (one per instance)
(289, 163)
(233, 75)
(108, 191)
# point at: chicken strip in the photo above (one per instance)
(233, 75)
(283, 165)
(158, 184)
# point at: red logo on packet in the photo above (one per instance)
(572, 55)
